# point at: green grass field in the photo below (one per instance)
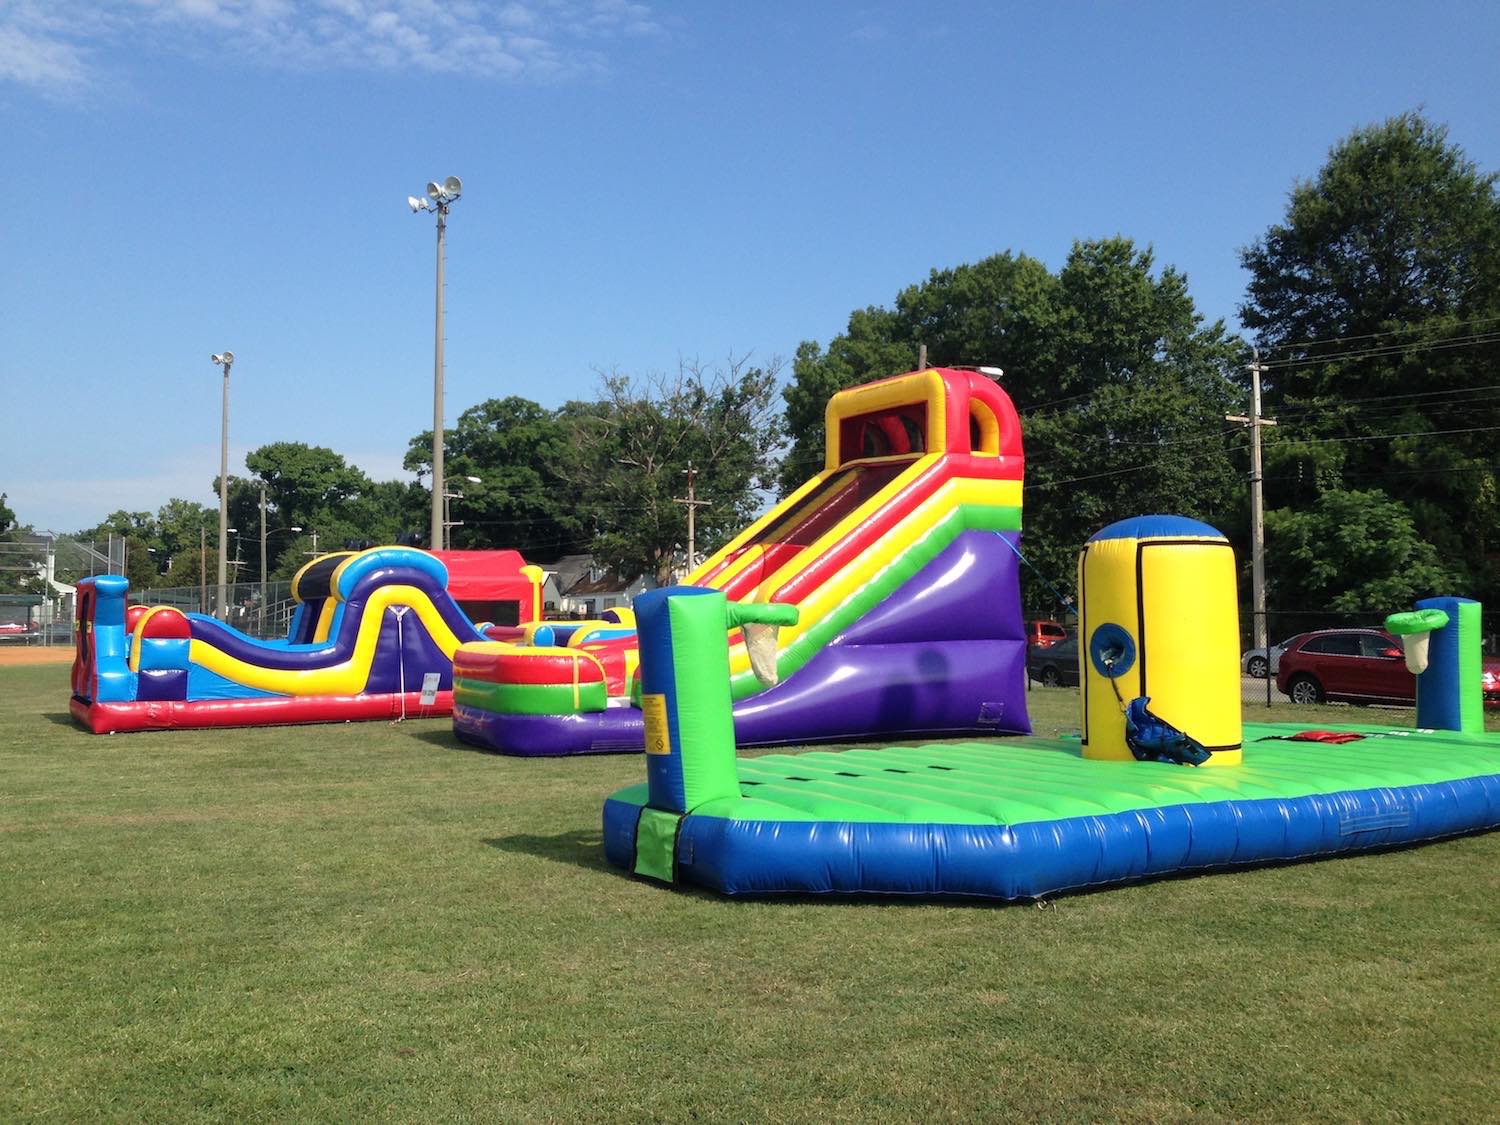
(370, 921)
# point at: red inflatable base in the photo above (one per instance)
(112, 718)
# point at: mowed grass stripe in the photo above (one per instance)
(371, 920)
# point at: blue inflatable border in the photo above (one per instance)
(1046, 857)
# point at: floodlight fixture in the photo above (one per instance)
(453, 187)
(434, 190)
(473, 480)
(223, 359)
(417, 204)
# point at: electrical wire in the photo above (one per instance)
(1387, 437)
(1044, 485)
(1473, 340)
(1470, 321)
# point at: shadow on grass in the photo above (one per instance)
(445, 739)
(61, 718)
(577, 849)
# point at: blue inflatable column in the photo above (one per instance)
(1450, 693)
(116, 683)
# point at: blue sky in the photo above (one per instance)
(643, 182)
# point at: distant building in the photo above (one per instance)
(577, 586)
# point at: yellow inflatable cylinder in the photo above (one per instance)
(1159, 617)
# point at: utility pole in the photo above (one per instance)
(263, 540)
(921, 357)
(1257, 506)
(692, 504)
(202, 569)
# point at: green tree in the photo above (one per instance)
(189, 565)
(1121, 385)
(1377, 301)
(302, 481)
(517, 449)
(315, 488)
(178, 525)
(1353, 551)
(630, 451)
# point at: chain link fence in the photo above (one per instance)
(1323, 656)
(39, 573)
(37, 578)
(261, 611)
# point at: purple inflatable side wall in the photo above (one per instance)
(945, 654)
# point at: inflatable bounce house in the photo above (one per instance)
(368, 628)
(1164, 780)
(497, 590)
(899, 558)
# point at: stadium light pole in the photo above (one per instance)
(236, 533)
(263, 537)
(439, 198)
(226, 361)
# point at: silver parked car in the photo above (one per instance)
(1257, 661)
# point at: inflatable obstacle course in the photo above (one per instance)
(1024, 817)
(368, 628)
(900, 558)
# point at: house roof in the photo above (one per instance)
(568, 570)
(609, 583)
(571, 574)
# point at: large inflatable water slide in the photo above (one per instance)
(368, 629)
(900, 558)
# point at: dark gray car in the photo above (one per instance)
(1054, 665)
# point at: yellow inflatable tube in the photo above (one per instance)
(347, 678)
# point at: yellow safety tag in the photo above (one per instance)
(654, 708)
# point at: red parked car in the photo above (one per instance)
(1357, 666)
(1044, 633)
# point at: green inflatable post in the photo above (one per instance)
(688, 710)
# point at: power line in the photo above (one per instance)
(1384, 332)
(1473, 340)
(1457, 469)
(1393, 403)
(1129, 469)
(1386, 437)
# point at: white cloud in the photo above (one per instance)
(59, 47)
(33, 59)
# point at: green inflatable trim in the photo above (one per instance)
(529, 699)
(1470, 666)
(698, 712)
(656, 844)
(1416, 621)
(1024, 779)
